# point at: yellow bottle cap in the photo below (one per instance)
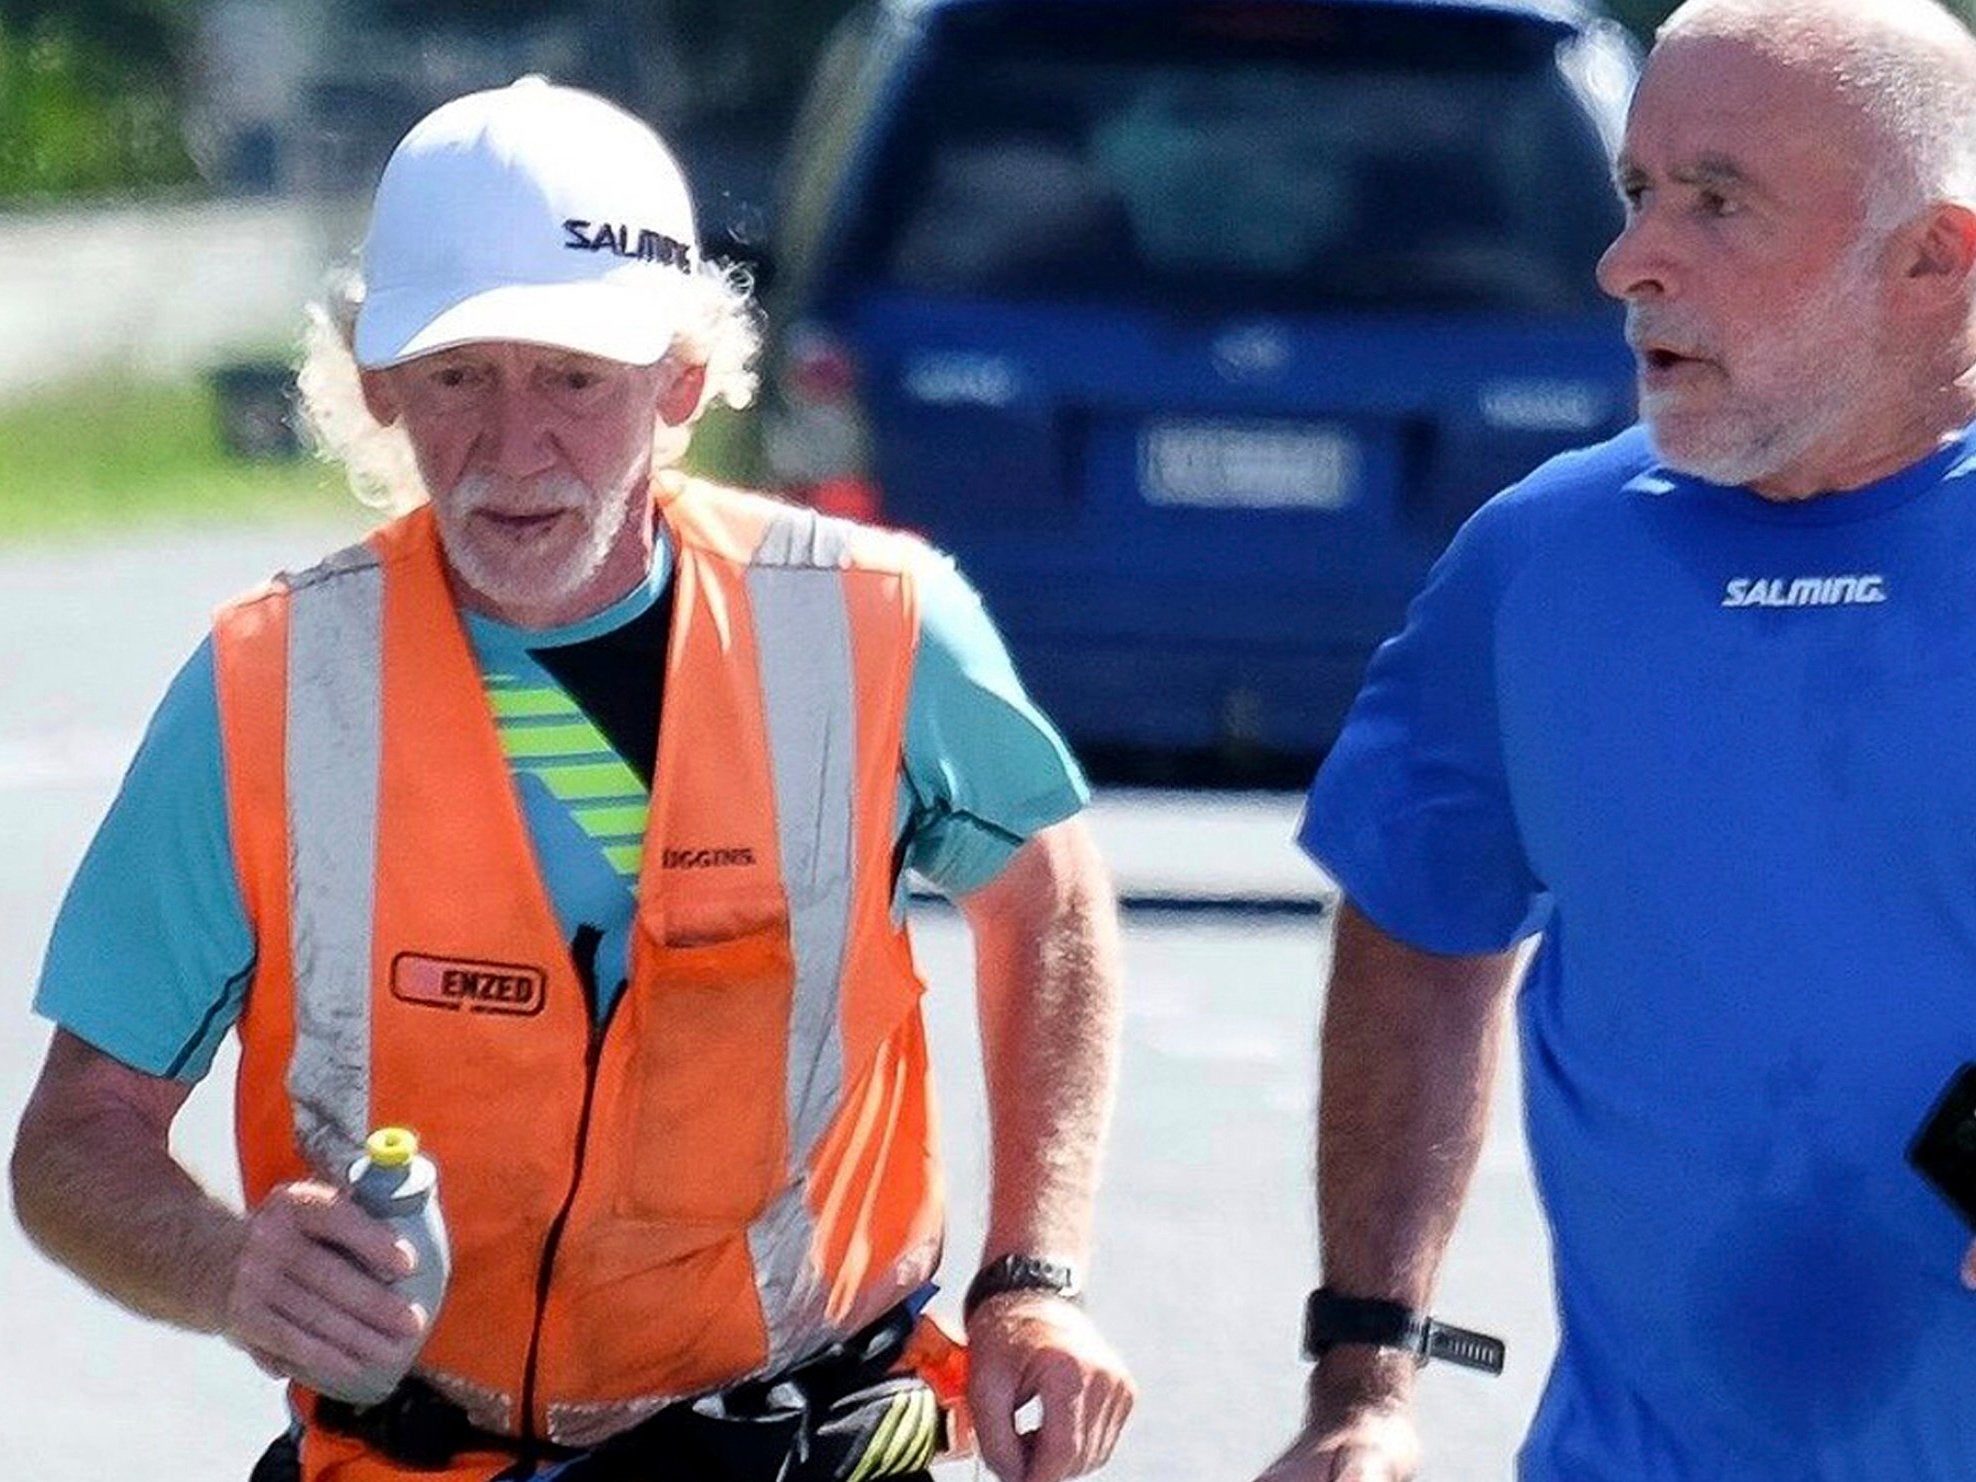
(391, 1147)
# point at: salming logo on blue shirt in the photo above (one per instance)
(545, 734)
(1806, 591)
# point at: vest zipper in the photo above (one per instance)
(583, 949)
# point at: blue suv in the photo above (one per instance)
(1193, 328)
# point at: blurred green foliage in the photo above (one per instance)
(89, 97)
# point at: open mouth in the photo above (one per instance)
(520, 523)
(1660, 363)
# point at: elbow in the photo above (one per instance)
(41, 1167)
(24, 1177)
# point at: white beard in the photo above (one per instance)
(1807, 383)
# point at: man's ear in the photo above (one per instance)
(681, 401)
(380, 396)
(1937, 254)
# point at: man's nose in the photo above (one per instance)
(521, 434)
(1637, 265)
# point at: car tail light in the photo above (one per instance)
(815, 435)
(854, 499)
(820, 369)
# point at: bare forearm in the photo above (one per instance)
(1410, 1045)
(1048, 964)
(99, 1192)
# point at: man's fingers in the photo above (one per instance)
(1110, 1426)
(1056, 1448)
(311, 1296)
(1379, 1444)
(369, 1243)
(993, 1402)
(322, 1275)
(1969, 1268)
(366, 1346)
(281, 1319)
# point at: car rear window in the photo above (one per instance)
(1280, 156)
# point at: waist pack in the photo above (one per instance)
(860, 1411)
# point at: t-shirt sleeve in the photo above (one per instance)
(151, 950)
(1411, 812)
(984, 769)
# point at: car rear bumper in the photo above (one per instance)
(1160, 697)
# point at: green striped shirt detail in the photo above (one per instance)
(532, 705)
(546, 734)
(590, 782)
(613, 820)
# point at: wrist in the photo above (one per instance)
(1356, 1382)
(1015, 1306)
(216, 1273)
(1334, 1320)
(1365, 1374)
(1018, 1274)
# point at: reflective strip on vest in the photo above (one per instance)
(809, 699)
(333, 775)
(335, 738)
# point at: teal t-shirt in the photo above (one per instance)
(152, 950)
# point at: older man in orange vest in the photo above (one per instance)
(687, 1148)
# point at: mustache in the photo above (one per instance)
(1664, 329)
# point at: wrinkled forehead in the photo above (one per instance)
(1785, 123)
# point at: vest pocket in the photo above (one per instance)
(705, 1136)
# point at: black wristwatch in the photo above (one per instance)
(1017, 1273)
(1331, 1319)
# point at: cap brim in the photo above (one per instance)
(632, 323)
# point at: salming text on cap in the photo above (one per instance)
(532, 213)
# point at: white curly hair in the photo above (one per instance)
(722, 332)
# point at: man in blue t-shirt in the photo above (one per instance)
(536, 336)
(1698, 706)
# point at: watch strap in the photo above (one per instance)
(1331, 1319)
(1020, 1273)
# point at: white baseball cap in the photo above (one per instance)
(534, 213)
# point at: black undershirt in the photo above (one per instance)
(618, 679)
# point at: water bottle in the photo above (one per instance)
(397, 1184)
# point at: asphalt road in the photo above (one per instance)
(1205, 1245)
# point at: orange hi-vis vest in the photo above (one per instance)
(740, 1166)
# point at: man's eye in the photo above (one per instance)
(580, 380)
(1714, 203)
(452, 376)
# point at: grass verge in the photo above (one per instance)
(110, 455)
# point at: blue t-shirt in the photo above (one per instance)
(152, 950)
(1722, 753)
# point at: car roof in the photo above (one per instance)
(1566, 12)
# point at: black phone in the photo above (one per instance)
(1944, 1150)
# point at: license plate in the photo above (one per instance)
(1249, 465)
